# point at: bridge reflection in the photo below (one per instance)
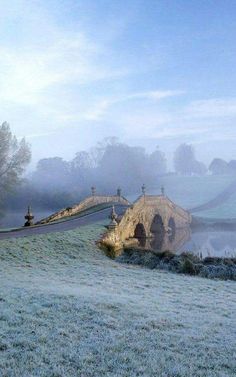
(161, 241)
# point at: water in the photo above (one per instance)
(202, 243)
(211, 243)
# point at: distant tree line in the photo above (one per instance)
(185, 163)
(219, 166)
(57, 183)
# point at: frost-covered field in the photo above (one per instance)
(67, 310)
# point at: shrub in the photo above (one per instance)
(187, 263)
(188, 267)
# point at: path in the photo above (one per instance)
(63, 225)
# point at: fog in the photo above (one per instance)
(111, 164)
(107, 92)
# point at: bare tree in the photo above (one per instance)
(14, 157)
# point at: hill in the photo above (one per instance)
(67, 310)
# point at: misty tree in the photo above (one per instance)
(81, 170)
(199, 168)
(232, 166)
(184, 159)
(129, 167)
(185, 162)
(219, 166)
(121, 165)
(96, 153)
(14, 157)
(82, 161)
(157, 162)
(51, 174)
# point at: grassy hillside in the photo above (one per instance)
(67, 310)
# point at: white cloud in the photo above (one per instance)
(196, 120)
(154, 94)
(40, 134)
(212, 108)
(48, 60)
(100, 109)
(25, 74)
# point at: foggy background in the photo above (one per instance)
(105, 92)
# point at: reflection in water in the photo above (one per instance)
(172, 229)
(157, 226)
(212, 243)
(157, 241)
(158, 232)
(166, 241)
(208, 243)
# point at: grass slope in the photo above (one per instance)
(67, 310)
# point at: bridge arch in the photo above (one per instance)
(157, 225)
(139, 231)
(140, 234)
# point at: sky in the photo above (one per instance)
(151, 72)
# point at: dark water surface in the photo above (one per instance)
(202, 243)
(211, 243)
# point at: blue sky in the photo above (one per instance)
(150, 72)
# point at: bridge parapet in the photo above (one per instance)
(85, 204)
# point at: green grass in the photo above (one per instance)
(67, 310)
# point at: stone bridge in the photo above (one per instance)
(85, 204)
(146, 218)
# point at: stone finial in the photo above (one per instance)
(112, 225)
(113, 217)
(162, 190)
(119, 192)
(93, 190)
(29, 217)
(143, 189)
